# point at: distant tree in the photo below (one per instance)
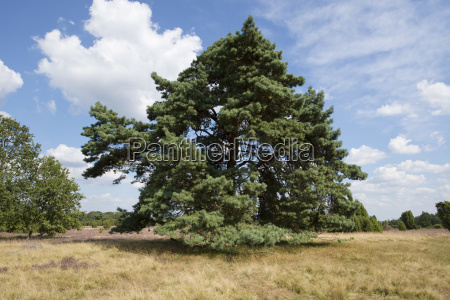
(53, 202)
(18, 155)
(386, 226)
(427, 220)
(36, 194)
(363, 222)
(408, 219)
(443, 211)
(402, 226)
(393, 223)
(376, 226)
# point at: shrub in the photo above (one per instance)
(107, 224)
(408, 219)
(443, 210)
(402, 226)
(376, 226)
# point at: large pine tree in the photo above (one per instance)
(266, 165)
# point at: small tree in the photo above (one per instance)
(443, 210)
(408, 219)
(402, 226)
(363, 222)
(36, 194)
(375, 224)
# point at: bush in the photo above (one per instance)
(386, 226)
(443, 210)
(376, 226)
(402, 226)
(437, 226)
(408, 219)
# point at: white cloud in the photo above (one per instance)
(10, 81)
(437, 95)
(116, 69)
(66, 155)
(403, 186)
(365, 155)
(107, 197)
(365, 52)
(393, 176)
(423, 167)
(5, 114)
(396, 109)
(50, 105)
(401, 145)
(72, 159)
(440, 140)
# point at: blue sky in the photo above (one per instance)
(383, 65)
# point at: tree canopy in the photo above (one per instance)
(233, 154)
(36, 193)
(443, 211)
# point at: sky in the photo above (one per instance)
(383, 65)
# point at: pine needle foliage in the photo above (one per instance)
(239, 182)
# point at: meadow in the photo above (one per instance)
(93, 265)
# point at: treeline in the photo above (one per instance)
(98, 218)
(407, 221)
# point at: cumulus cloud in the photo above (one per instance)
(5, 114)
(10, 81)
(437, 95)
(396, 108)
(419, 166)
(365, 155)
(415, 185)
(401, 145)
(392, 175)
(66, 155)
(116, 69)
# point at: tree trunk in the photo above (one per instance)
(29, 234)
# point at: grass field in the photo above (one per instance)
(90, 265)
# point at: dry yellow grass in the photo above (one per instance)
(391, 265)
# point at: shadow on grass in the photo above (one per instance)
(166, 247)
(162, 248)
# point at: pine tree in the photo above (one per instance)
(266, 165)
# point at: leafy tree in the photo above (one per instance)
(36, 194)
(230, 187)
(443, 211)
(427, 220)
(408, 219)
(402, 226)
